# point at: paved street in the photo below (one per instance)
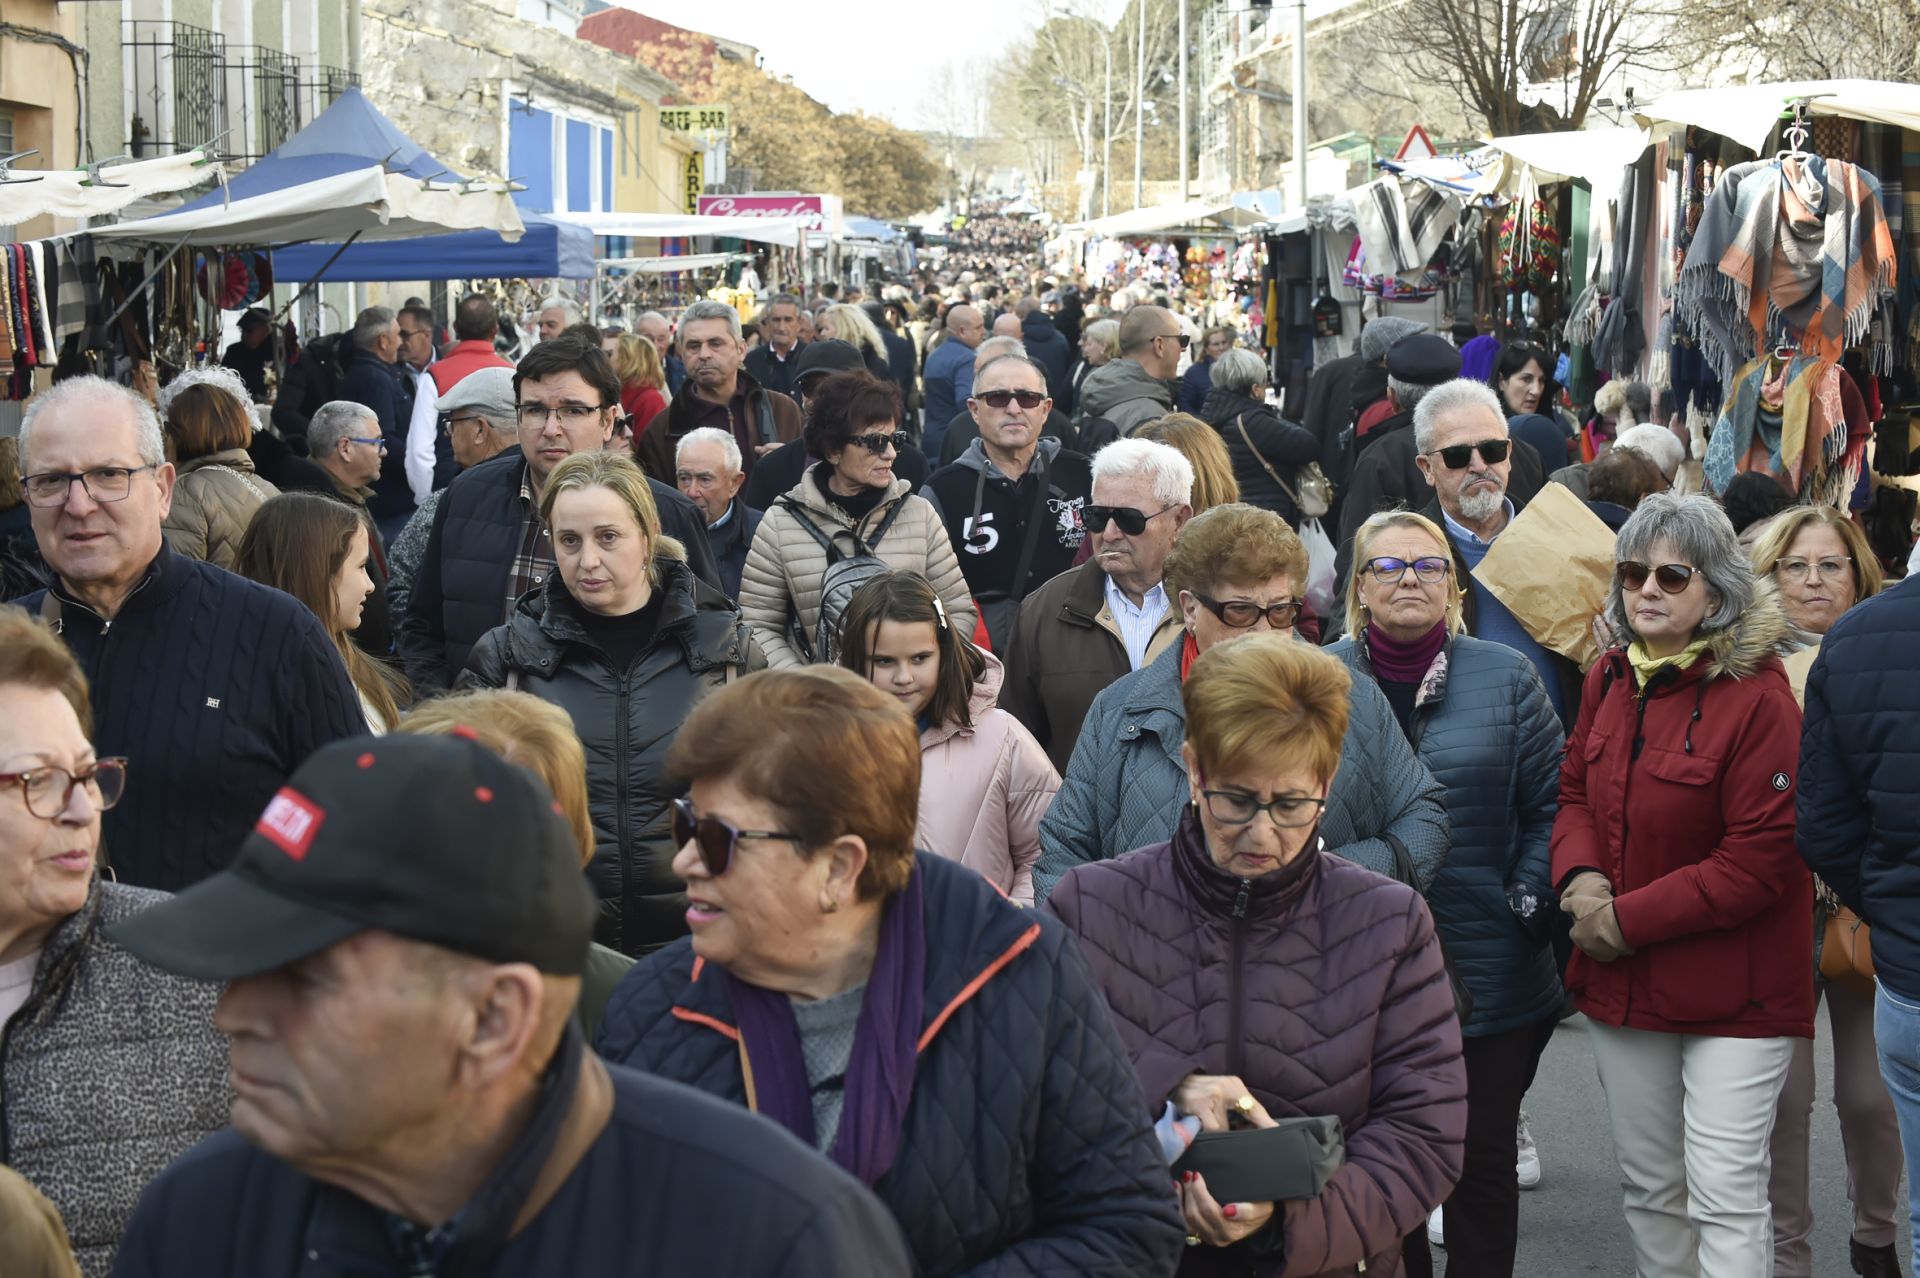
(1572, 1225)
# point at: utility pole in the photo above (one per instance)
(1106, 133)
(1300, 104)
(1186, 190)
(1139, 104)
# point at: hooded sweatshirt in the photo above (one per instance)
(1125, 394)
(983, 790)
(986, 516)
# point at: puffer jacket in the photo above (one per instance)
(1285, 446)
(1127, 785)
(1026, 1149)
(214, 499)
(785, 566)
(1484, 727)
(1125, 394)
(1681, 794)
(627, 721)
(1321, 987)
(984, 789)
(108, 1072)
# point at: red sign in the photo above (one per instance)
(810, 209)
(1418, 146)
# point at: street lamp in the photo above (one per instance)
(1106, 131)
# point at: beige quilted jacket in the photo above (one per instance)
(786, 563)
(213, 502)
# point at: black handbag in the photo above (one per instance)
(1294, 1160)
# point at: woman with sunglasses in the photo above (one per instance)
(984, 781)
(1479, 718)
(110, 1068)
(1255, 976)
(617, 638)
(1235, 571)
(1692, 912)
(889, 1008)
(852, 502)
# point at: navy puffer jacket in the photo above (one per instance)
(1484, 727)
(1027, 1146)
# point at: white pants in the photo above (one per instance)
(1692, 1118)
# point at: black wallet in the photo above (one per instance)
(1268, 1164)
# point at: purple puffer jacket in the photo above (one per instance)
(1319, 985)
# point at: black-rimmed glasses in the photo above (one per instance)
(1237, 807)
(102, 484)
(569, 414)
(713, 838)
(1427, 569)
(1244, 613)
(49, 790)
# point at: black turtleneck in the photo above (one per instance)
(858, 506)
(622, 638)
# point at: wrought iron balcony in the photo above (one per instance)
(175, 96)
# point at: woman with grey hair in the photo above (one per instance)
(1267, 451)
(1673, 852)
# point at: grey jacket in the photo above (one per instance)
(1127, 395)
(108, 1072)
(1126, 784)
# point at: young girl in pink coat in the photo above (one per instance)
(984, 781)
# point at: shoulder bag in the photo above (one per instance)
(1313, 498)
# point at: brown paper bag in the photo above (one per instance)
(1551, 567)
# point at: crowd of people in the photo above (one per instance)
(875, 765)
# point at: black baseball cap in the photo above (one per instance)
(434, 838)
(829, 355)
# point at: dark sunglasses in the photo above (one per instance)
(1671, 578)
(1242, 613)
(1132, 522)
(713, 838)
(1001, 398)
(1492, 452)
(1178, 339)
(880, 443)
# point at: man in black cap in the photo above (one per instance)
(782, 469)
(404, 933)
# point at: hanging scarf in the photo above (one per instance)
(1646, 665)
(879, 1080)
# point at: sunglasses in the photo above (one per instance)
(1178, 339)
(1243, 613)
(1492, 452)
(1001, 398)
(880, 443)
(1132, 522)
(713, 838)
(1671, 578)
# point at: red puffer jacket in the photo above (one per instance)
(1321, 987)
(1683, 797)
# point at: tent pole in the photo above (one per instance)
(152, 275)
(315, 281)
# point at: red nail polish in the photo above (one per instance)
(1230, 1210)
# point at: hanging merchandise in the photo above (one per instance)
(1528, 254)
(1619, 336)
(1328, 321)
(1799, 419)
(1402, 224)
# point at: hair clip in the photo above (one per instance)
(940, 611)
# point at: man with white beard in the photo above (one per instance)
(1464, 453)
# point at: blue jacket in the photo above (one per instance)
(1484, 727)
(1126, 783)
(639, 1193)
(1858, 814)
(1027, 1147)
(948, 382)
(1194, 385)
(375, 383)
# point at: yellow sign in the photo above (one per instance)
(696, 181)
(695, 119)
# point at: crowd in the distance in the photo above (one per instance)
(879, 800)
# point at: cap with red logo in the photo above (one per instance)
(434, 838)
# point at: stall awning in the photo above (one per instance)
(1593, 156)
(1207, 215)
(668, 265)
(1747, 112)
(547, 250)
(764, 230)
(74, 193)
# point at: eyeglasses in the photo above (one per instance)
(1671, 578)
(1492, 452)
(713, 838)
(1243, 613)
(374, 440)
(1427, 569)
(880, 442)
(48, 791)
(1178, 339)
(407, 335)
(1001, 398)
(1237, 807)
(102, 484)
(569, 414)
(1132, 522)
(1800, 569)
(450, 424)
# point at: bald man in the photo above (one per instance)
(949, 373)
(1138, 387)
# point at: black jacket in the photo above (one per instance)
(986, 517)
(774, 374)
(780, 472)
(215, 688)
(1330, 412)
(382, 389)
(641, 1198)
(312, 379)
(460, 592)
(903, 366)
(1027, 1146)
(1285, 446)
(730, 543)
(1044, 344)
(626, 720)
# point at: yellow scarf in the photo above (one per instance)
(1646, 665)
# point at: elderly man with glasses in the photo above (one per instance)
(1138, 387)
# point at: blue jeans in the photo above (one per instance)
(1896, 1028)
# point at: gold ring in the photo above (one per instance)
(1193, 1240)
(1244, 1104)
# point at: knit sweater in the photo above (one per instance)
(215, 688)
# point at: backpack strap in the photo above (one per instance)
(833, 552)
(1031, 541)
(880, 529)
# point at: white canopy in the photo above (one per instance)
(371, 201)
(74, 193)
(1149, 221)
(1747, 112)
(668, 265)
(763, 230)
(1594, 156)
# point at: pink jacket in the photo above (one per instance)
(984, 789)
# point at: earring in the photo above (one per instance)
(829, 905)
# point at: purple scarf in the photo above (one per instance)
(1397, 662)
(885, 1046)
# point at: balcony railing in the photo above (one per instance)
(176, 98)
